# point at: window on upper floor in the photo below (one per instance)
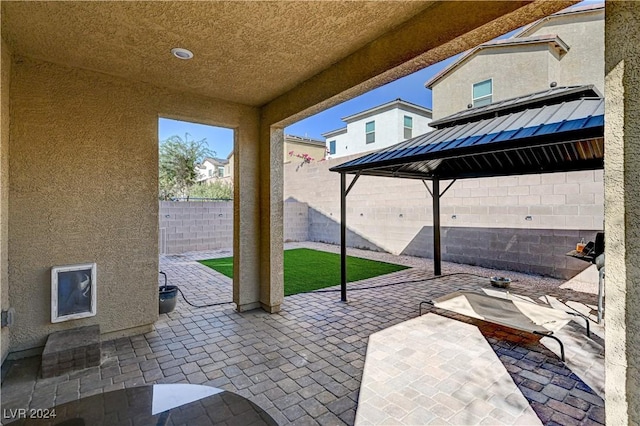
(408, 127)
(482, 93)
(332, 147)
(220, 171)
(370, 131)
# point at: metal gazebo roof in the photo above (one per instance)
(558, 130)
(551, 138)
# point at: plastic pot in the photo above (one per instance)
(168, 296)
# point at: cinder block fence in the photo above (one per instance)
(208, 225)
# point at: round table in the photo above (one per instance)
(175, 404)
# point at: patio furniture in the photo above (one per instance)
(151, 405)
(591, 253)
(511, 311)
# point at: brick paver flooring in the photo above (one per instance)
(305, 364)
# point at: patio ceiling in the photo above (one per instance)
(263, 48)
(253, 52)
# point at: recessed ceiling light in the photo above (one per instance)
(181, 53)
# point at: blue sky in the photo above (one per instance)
(410, 88)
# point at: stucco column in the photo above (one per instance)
(271, 218)
(246, 215)
(622, 211)
(258, 213)
(5, 72)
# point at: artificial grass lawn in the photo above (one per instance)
(306, 269)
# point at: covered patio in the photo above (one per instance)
(319, 361)
(82, 87)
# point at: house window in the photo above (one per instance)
(220, 171)
(482, 93)
(332, 147)
(408, 127)
(370, 131)
(210, 172)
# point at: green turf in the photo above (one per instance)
(306, 269)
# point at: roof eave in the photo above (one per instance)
(471, 53)
(398, 103)
(557, 138)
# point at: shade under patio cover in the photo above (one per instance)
(564, 136)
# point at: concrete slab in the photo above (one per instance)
(447, 363)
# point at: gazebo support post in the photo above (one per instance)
(437, 253)
(343, 237)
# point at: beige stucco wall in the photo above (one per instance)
(584, 33)
(316, 152)
(229, 168)
(622, 208)
(520, 70)
(5, 71)
(83, 173)
(515, 71)
(271, 218)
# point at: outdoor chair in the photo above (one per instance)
(511, 311)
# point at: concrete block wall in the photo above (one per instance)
(296, 221)
(196, 226)
(478, 216)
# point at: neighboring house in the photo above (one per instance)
(213, 169)
(298, 146)
(229, 166)
(294, 147)
(564, 49)
(378, 127)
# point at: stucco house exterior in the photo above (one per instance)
(296, 146)
(563, 52)
(213, 169)
(378, 127)
(564, 49)
(293, 147)
(78, 99)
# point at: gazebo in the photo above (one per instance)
(557, 130)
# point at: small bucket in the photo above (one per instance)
(168, 298)
(500, 282)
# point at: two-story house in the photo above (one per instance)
(299, 146)
(295, 147)
(564, 49)
(212, 169)
(378, 127)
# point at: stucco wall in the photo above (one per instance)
(520, 70)
(5, 71)
(584, 33)
(316, 152)
(83, 173)
(515, 71)
(193, 226)
(395, 215)
(622, 202)
(389, 130)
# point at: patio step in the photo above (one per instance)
(71, 350)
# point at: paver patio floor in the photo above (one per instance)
(305, 365)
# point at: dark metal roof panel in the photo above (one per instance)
(488, 136)
(554, 95)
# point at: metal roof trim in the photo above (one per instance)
(464, 142)
(545, 96)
